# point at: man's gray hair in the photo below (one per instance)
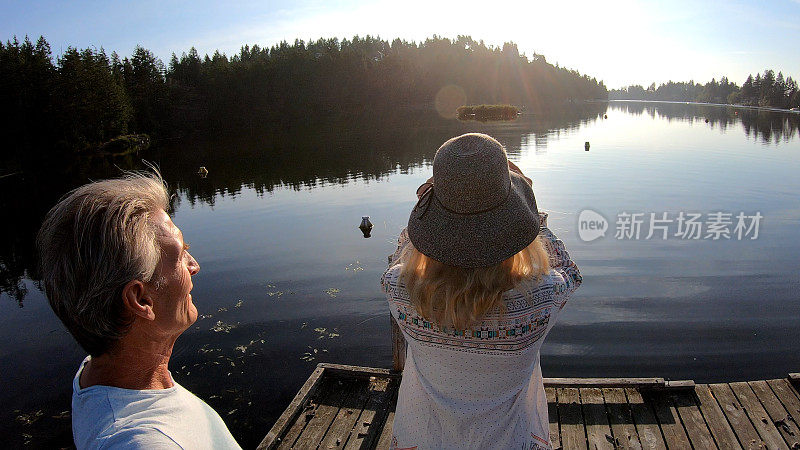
(97, 239)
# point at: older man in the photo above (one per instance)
(118, 274)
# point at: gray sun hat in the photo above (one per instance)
(477, 213)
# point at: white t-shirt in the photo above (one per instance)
(105, 417)
(482, 387)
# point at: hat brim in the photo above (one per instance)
(476, 240)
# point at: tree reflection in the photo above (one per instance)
(771, 127)
(301, 155)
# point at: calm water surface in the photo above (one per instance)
(288, 281)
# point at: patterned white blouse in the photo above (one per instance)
(481, 387)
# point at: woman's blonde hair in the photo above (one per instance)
(458, 297)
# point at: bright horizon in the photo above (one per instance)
(621, 43)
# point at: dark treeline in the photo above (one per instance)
(767, 90)
(85, 97)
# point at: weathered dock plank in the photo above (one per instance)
(646, 423)
(288, 419)
(345, 420)
(385, 438)
(779, 416)
(715, 419)
(693, 422)
(598, 431)
(758, 416)
(348, 407)
(573, 432)
(669, 421)
(620, 418)
(552, 414)
(323, 399)
(326, 411)
(788, 396)
(370, 424)
(737, 417)
(606, 382)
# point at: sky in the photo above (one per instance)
(619, 42)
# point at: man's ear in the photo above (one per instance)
(137, 300)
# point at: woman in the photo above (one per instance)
(475, 285)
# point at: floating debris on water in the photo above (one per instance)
(238, 304)
(205, 349)
(332, 291)
(223, 309)
(366, 226)
(243, 348)
(355, 267)
(62, 415)
(309, 355)
(206, 316)
(324, 333)
(273, 293)
(303, 325)
(28, 419)
(222, 327)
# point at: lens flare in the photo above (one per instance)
(448, 99)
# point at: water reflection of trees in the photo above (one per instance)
(25, 197)
(339, 151)
(768, 126)
(300, 156)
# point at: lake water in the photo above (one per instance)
(288, 281)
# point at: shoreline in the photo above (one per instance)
(758, 108)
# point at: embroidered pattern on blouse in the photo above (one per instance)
(528, 306)
(525, 320)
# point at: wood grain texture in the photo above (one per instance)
(573, 432)
(669, 420)
(715, 418)
(647, 426)
(621, 419)
(778, 414)
(598, 430)
(758, 415)
(692, 419)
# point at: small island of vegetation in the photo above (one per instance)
(485, 113)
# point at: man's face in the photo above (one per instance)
(172, 281)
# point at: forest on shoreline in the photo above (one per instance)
(82, 98)
(767, 90)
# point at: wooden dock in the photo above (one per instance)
(348, 407)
